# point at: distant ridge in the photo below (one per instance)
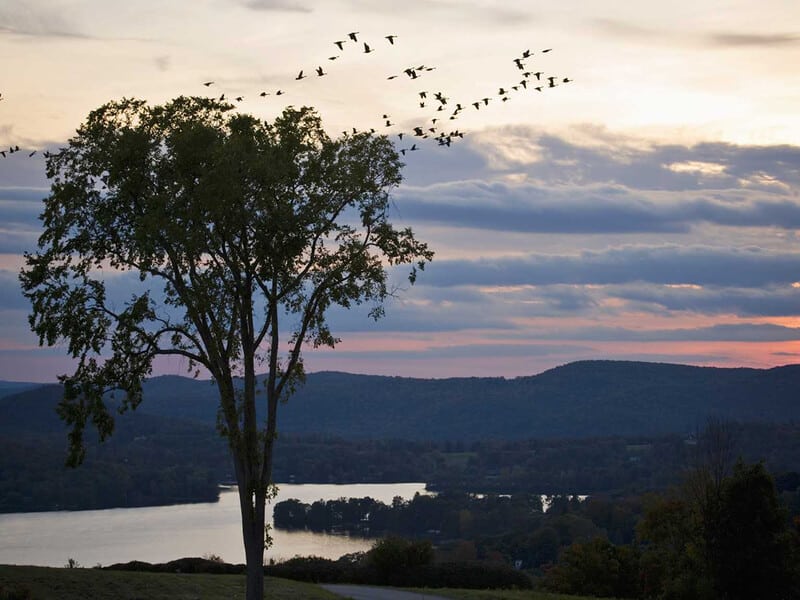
(14, 387)
(581, 399)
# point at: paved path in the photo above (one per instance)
(362, 592)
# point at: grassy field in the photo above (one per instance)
(43, 583)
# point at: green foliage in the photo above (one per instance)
(395, 553)
(596, 568)
(732, 541)
(243, 234)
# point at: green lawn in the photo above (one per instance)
(43, 583)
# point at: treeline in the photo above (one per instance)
(562, 466)
(515, 528)
(141, 473)
(734, 536)
(153, 460)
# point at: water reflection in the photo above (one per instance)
(163, 533)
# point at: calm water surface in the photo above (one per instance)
(163, 533)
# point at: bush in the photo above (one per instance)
(313, 569)
(596, 568)
(181, 565)
(393, 553)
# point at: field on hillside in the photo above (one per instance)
(44, 583)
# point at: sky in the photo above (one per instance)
(645, 209)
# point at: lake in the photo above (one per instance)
(163, 533)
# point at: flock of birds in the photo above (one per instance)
(437, 125)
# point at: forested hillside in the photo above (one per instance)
(589, 427)
(584, 399)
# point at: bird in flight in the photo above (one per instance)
(320, 72)
(352, 35)
(340, 44)
(300, 75)
(390, 38)
(367, 49)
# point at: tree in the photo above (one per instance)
(743, 548)
(242, 233)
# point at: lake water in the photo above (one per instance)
(163, 533)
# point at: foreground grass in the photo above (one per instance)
(500, 595)
(44, 583)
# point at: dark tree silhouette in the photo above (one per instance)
(244, 233)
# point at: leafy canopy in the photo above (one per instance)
(243, 232)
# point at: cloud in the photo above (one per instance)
(163, 62)
(536, 208)
(22, 19)
(664, 264)
(432, 9)
(768, 301)
(730, 39)
(11, 297)
(276, 5)
(727, 332)
(591, 155)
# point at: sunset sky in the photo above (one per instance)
(647, 209)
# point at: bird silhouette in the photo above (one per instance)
(32, 153)
(280, 93)
(552, 81)
(320, 72)
(352, 35)
(333, 57)
(263, 94)
(300, 75)
(208, 83)
(390, 38)
(340, 44)
(518, 62)
(526, 54)
(367, 49)
(546, 50)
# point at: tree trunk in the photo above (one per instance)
(252, 509)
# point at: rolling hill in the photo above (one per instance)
(582, 399)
